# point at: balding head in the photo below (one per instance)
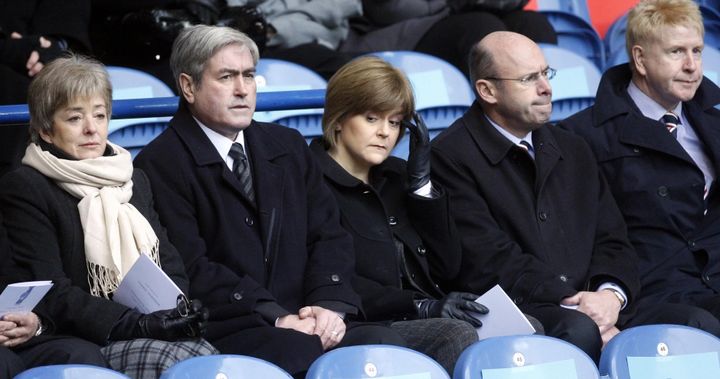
(510, 76)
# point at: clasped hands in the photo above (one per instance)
(602, 307)
(17, 328)
(324, 323)
(32, 52)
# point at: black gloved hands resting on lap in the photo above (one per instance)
(187, 320)
(418, 163)
(457, 305)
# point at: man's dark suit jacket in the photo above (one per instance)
(543, 229)
(658, 187)
(288, 251)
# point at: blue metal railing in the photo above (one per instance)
(166, 106)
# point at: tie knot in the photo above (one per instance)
(671, 121)
(237, 152)
(525, 145)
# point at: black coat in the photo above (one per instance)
(543, 229)
(658, 187)
(374, 214)
(290, 250)
(43, 225)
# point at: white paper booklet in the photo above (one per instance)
(23, 297)
(146, 288)
(504, 318)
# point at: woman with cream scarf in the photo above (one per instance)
(78, 214)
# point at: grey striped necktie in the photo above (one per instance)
(241, 168)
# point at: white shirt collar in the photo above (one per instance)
(649, 107)
(510, 136)
(222, 144)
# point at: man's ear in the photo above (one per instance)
(187, 88)
(486, 91)
(638, 59)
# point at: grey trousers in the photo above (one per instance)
(442, 339)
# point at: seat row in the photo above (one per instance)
(443, 93)
(652, 351)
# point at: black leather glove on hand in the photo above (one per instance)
(455, 305)
(185, 321)
(418, 163)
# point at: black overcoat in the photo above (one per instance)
(658, 187)
(545, 228)
(288, 249)
(374, 215)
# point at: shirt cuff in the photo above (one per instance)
(617, 289)
(425, 191)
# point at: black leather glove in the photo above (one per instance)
(418, 163)
(48, 54)
(184, 321)
(455, 305)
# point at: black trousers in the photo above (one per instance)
(452, 37)
(49, 350)
(294, 351)
(580, 330)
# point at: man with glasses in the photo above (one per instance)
(533, 210)
(655, 132)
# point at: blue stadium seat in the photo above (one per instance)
(576, 76)
(129, 83)
(575, 84)
(134, 137)
(375, 361)
(577, 7)
(711, 64)
(578, 35)
(226, 367)
(528, 356)
(442, 92)
(661, 351)
(615, 38)
(277, 75)
(565, 108)
(70, 372)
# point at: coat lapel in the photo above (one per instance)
(268, 181)
(547, 154)
(650, 134)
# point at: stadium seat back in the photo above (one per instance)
(375, 361)
(524, 356)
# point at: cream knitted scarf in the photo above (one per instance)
(115, 232)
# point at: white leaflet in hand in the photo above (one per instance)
(147, 288)
(504, 318)
(23, 297)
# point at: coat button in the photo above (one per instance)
(249, 221)
(563, 278)
(543, 216)
(392, 220)
(335, 278)
(706, 277)
(636, 150)
(421, 250)
(691, 243)
(237, 296)
(662, 191)
(412, 276)
(366, 192)
(518, 300)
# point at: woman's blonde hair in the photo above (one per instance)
(60, 82)
(362, 85)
